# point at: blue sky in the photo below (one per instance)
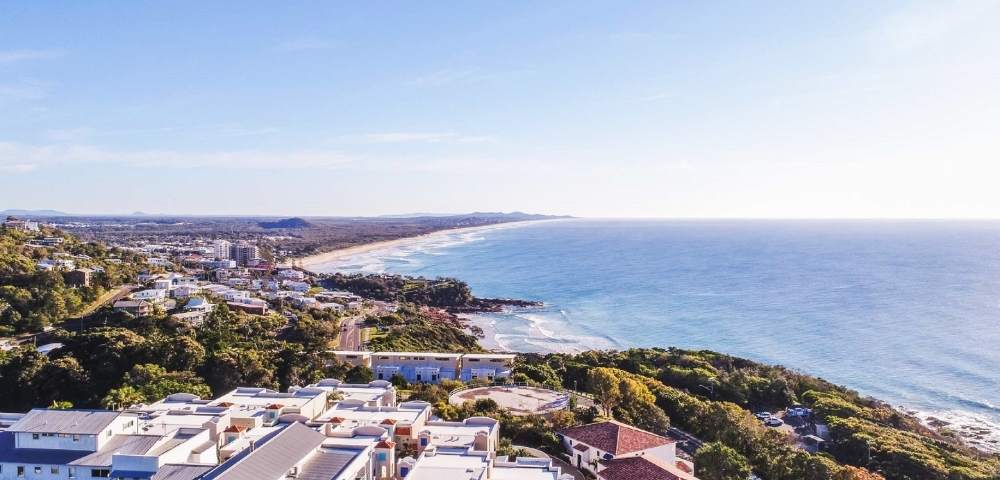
(637, 109)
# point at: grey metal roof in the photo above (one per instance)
(82, 422)
(124, 444)
(273, 456)
(180, 472)
(327, 463)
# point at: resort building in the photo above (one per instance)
(327, 431)
(84, 445)
(416, 366)
(486, 366)
(378, 393)
(362, 359)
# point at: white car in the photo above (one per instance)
(774, 422)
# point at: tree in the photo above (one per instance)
(121, 398)
(715, 461)
(605, 384)
(60, 405)
(359, 374)
(399, 381)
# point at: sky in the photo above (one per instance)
(591, 108)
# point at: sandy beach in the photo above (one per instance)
(312, 261)
(488, 325)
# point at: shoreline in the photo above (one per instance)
(309, 262)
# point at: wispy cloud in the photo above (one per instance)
(14, 56)
(22, 91)
(19, 157)
(423, 137)
(921, 24)
(449, 76)
(304, 44)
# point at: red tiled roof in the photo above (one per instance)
(236, 428)
(683, 467)
(274, 406)
(614, 437)
(634, 468)
(224, 405)
(386, 444)
(388, 421)
(403, 430)
(335, 420)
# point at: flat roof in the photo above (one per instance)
(449, 467)
(417, 354)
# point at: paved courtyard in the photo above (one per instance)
(519, 400)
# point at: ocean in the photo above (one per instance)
(904, 311)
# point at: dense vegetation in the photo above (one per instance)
(440, 292)
(32, 299)
(138, 360)
(709, 394)
(412, 329)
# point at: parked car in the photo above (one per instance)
(774, 422)
(762, 415)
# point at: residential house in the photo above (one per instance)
(78, 278)
(615, 451)
(138, 308)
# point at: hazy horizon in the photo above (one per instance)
(601, 110)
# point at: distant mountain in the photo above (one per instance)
(295, 222)
(34, 213)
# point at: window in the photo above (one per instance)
(381, 456)
(418, 377)
(38, 470)
(72, 472)
(76, 438)
(34, 436)
(20, 471)
(473, 359)
(100, 472)
(54, 470)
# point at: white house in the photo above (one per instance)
(614, 451)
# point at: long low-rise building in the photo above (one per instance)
(431, 367)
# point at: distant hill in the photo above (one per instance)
(503, 215)
(34, 213)
(295, 222)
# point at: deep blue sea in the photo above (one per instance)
(905, 311)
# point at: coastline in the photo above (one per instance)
(309, 262)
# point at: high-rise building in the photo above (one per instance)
(222, 249)
(243, 252)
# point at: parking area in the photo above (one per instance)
(520, 400)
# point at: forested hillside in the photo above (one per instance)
(32, 298)
(712, 396)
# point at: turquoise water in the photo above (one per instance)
(905, 311)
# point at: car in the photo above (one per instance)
(762, 415)
(774, 422)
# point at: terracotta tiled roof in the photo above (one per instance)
(274, 406)
(614, 437)
(224, 404)
(386, 444)
(388, 421)
(336, 420)
(403, 430)
(634, 468)
(236, 428)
